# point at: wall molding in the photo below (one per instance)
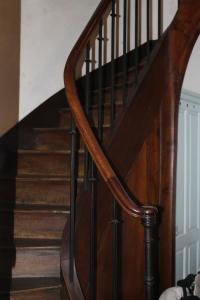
(190, 96)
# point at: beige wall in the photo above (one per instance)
(9, 63)
(49, 30)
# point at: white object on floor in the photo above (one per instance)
(173, 293)
(197, 286)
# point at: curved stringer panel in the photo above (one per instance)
(142, 151)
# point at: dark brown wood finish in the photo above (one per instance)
(148, 132)
(34, 203)
(95, 149)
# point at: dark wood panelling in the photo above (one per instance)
(146, 162)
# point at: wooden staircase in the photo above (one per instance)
(35, 192)
(31, 226)
(34, 189)
(45, 197)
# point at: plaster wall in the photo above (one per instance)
(49, 29)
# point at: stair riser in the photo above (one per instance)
(30, 262)
(65, 117)
(35, 192)
(51, 140)
(51, 294)
(43, 192)
(47, 164)
(40, 225)
(32, 224)
(107, 95)
(48, 139)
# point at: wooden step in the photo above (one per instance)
(41, 222)
(65, 115)
(34, 289)
(31, 258)
(36, 162)
(45, 138)
(118, 94)
(51, 139)
(30, 284)
(35, 190)
(37, 294)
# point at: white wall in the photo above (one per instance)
(188, 187)
(49, 29)
(192, 76)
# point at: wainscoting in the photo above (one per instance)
(188, 186)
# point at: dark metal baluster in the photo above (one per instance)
(136, 39)
(149, 222)
(87, 109)
(179, 2)
(100, 85)
(115, 256)
(112, 101)
(115, 251)
(125, 52)
(159, 18)
(148, 29)
(92, 279)
(90, 176)
(87, 89)
(73, 193)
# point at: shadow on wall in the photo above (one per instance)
(9, 110)
(12, 193)
(8, 171)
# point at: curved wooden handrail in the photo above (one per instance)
(107, 172)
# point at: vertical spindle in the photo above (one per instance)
(148, 29)
(92, 278)
(136, 39)
(100, 84)
(112, 101)
(88, 62)
(159, 18)
(149, 221)
(115, 251)
(124, 52)
(73, 193)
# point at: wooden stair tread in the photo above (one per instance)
(31, 243)
(43, 208)
(62, 128)
(117, 87)
(57, 129)
(39, 177)
(35, 151)
(94, 106)
(37, 208)
(37, 243)
(25, 284)
(48, 152)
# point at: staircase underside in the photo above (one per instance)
(34, 205)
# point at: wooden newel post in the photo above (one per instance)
(150, 223)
